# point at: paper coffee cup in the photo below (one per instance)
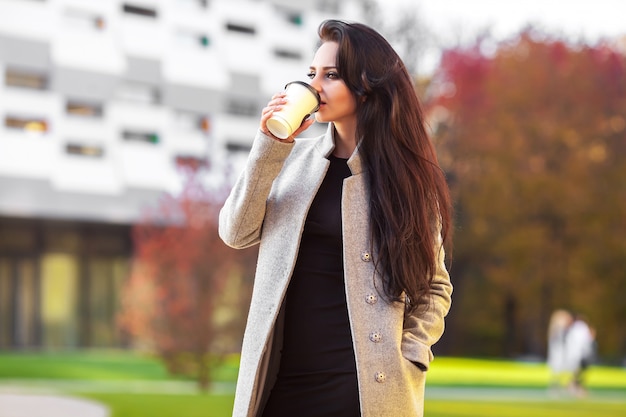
(302, 100)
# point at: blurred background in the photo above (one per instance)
(124, 123)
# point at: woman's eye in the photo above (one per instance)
(332, 75)
(311, 75)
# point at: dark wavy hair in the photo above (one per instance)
(410, 202)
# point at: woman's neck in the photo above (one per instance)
(345, 139)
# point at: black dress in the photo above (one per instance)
(317, 374)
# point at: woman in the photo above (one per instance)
(351, 289)
(560, 322)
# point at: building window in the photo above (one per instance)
(192, 39)
(139, 93)
(83, 109)
(82, 19)
(237, 147)
(242, 108)
(205, 124)
(287, 54)
(27, 124)
(18, 298)
(141, 136)
(244, 83)
(289, 15)
(139, 10)
(237, 28)
(194, 122)
(93, 151)
(60, 274)
(294, 18)
(25, 79)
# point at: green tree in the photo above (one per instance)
(533, 139)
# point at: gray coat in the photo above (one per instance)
(268, 205)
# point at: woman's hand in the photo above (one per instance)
(274, 105)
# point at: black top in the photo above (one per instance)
(317, 375)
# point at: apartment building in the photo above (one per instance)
(101, 103)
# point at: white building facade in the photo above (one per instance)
(101, 102)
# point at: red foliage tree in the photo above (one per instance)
(533, 138)
(185, 295)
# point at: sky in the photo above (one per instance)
(454, 20)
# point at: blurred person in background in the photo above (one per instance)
(579, 352)
(560, 321)
(351, 288)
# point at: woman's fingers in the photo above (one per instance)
(306, 123)
(275, 104)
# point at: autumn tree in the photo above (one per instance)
(187, 294)
(532, 135)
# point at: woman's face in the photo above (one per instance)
(337, 102)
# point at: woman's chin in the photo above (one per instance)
(320, 119)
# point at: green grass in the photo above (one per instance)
(96, 365)
(577, 408)
(81, 365)
(142, 405)
(153, 405)
(145, 405)
(125, 368)
(498, 373)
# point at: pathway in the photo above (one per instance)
(40, 405)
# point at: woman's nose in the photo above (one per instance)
(315, 83)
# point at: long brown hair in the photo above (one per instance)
(410, 203)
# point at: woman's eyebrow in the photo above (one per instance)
(324, 68)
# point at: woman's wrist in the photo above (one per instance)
(289, 139)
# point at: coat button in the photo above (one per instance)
(376, 337)
(380, 377)
(371, 298)
(366, 257)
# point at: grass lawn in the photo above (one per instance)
(446, 371)
(111, 365)
(576, 408)
(145, 405)
(158, 405)
(120, 368)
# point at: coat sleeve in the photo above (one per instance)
(241, 217)
(423, 328)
